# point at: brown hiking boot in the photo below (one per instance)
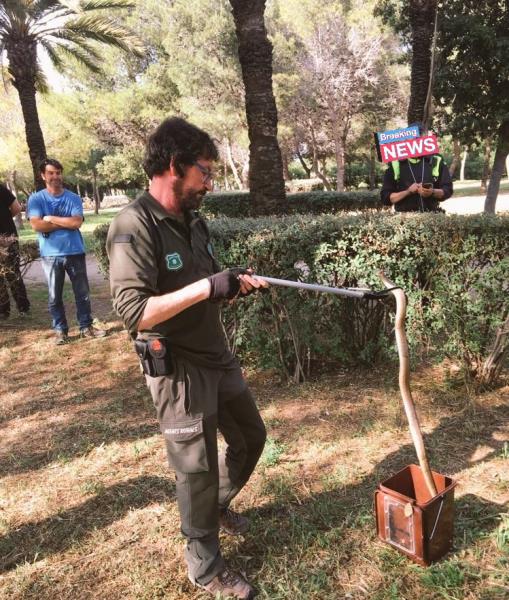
(232, 522)
(229, 585)
(92, 332)
(61, 338)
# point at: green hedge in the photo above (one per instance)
(237, 204)
(454, 269)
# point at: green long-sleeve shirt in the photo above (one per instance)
(152, 252)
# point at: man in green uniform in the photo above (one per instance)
(165, 285)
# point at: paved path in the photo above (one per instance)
(468, 205)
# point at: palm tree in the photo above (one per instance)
(63, 31)
(266, 181)
(422, 15)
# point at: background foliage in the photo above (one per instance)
(453, 269)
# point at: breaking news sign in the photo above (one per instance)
(399, 144)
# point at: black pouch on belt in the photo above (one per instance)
(155, 356)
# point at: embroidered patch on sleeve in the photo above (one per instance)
(123, 238)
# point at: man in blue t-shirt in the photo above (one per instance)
(57, 214)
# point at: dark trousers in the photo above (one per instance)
(10, 277)
(55, 268)
(192, 405)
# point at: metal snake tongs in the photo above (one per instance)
(402, 345)
(404, 382)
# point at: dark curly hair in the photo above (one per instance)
(176, 139)
(52, 162)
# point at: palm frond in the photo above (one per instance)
(14, 10)
(88, 5)
(55, 58)
(79, 56)
(39, 8)
(78, 41)
(104, 30)
(51, 16)
(41, 83)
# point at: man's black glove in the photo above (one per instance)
(226, 284)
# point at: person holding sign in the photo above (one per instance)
(414, 183)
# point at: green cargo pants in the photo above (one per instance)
(192, 404)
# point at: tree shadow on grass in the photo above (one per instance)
(284, 524)
(35, 541)
(63, 427)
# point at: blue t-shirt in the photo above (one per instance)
(61, 242)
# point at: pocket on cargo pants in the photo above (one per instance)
(186, 445)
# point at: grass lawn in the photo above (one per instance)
(87, 503)
(91, 222)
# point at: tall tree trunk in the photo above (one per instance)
(339, 149)
(490, 369)
(371, 160)
(307, 170)
(498, 168)
(422, 20)
(286, 170)
(266, 180)
(231, 163)
(463, 164)
(456, 157)
(22, 56)
(225, 175)
(486, 166)
(95, 192)
(316, 166)
(245, 174)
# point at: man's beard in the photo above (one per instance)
(188, 200)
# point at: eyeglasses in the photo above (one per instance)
(208, 175)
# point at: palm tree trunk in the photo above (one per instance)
(498, 168)
(266, 180)
(422, 20)
(286, 170)
(22, 60)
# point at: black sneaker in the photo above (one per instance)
(229, 584)
(61, 338)
(92, 332)
(232, 522)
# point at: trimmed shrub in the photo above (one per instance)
(237, 204)
(454, 269)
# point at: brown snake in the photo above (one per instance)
(404, 383)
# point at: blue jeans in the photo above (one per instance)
(55, 268)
